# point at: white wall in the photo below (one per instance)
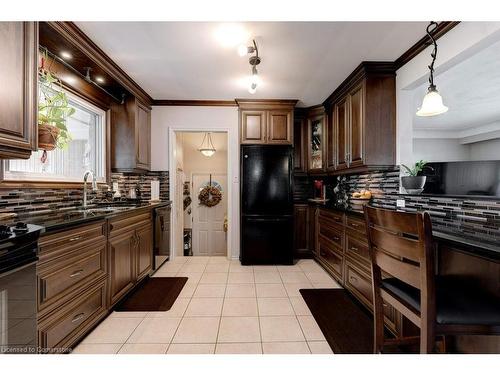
(459, 43)
(166, 119)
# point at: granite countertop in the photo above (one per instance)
(460, 235)
(61, 219)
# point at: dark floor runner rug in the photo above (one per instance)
(154, 294)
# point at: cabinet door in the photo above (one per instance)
(356, 127)
(121, 264)
(253, 127)
(330, 141)
(299, 132)
(340, 128)
(18, 91)
(316, 144)
(144, 258)
(143, 136)
(279, 127)
(313, 224)
(301, 230)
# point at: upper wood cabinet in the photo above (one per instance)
(130, 136)
(299, 140)
(266, 121)
(363, 120)
(18, 91)
(316, 136)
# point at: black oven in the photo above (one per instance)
(18, 256)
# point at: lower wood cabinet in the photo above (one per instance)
(343, 252)
(122, 266)
(301, 231)
(83, 271)
(130, 253)
(59, 331)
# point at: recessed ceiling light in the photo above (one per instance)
(231, 34)
(69, 79)
(66, 55)
(99, 79)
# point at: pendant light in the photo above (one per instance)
(207, 147)
(432, 104)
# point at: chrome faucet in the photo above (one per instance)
(94, 186)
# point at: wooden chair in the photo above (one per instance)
(401, 245)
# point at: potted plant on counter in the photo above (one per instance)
(413, 183)
(53, 110)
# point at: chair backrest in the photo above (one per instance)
(400, 244)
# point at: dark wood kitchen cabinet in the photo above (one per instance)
(266, 121)
(18, 96)
(316, 140)
(299, 140)
(130, 136)
(301, 231)
(130, 251)
(363, 120)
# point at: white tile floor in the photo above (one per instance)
(224, 308)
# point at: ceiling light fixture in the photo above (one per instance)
(207, 147)
(66, 55)
(432, 104)
(254, 61)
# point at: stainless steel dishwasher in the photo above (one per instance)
(161, 249)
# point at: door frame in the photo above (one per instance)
(227, 201)
(172, 134)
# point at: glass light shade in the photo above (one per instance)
(252, 89)
(207, 147)
(432, 105)
(207, 152)
(242, 50)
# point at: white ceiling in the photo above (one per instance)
(471, 91)
(300, 60)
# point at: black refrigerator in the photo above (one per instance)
(266, 205)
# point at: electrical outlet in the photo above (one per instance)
(400, 203)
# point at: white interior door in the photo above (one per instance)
(179, 213)
(209, 237)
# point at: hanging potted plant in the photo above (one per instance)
(53, 110)
(414, 183)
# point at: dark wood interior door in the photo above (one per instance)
(122, 271)
(144, 250)
(18, 91)
(356, 127)
(341, 130)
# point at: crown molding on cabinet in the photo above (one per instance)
(191, 103)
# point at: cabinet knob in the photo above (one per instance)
(75, 238)
(354, 248)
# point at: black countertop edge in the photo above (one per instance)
(65, 222)
(463, 244)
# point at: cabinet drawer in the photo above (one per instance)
(62, 329)
(331, 257)
(59, 243)
(332, 233)
(356, 224)
(336, 217)
(58, 278)
(357, 249)
(358, 283)
(120, 224)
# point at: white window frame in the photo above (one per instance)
(40, 177)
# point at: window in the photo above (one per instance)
(85, 151)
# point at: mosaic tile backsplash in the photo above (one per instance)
(473, 217)
(29, 202)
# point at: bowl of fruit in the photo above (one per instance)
(359, 199)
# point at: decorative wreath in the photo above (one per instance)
(210, 196)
